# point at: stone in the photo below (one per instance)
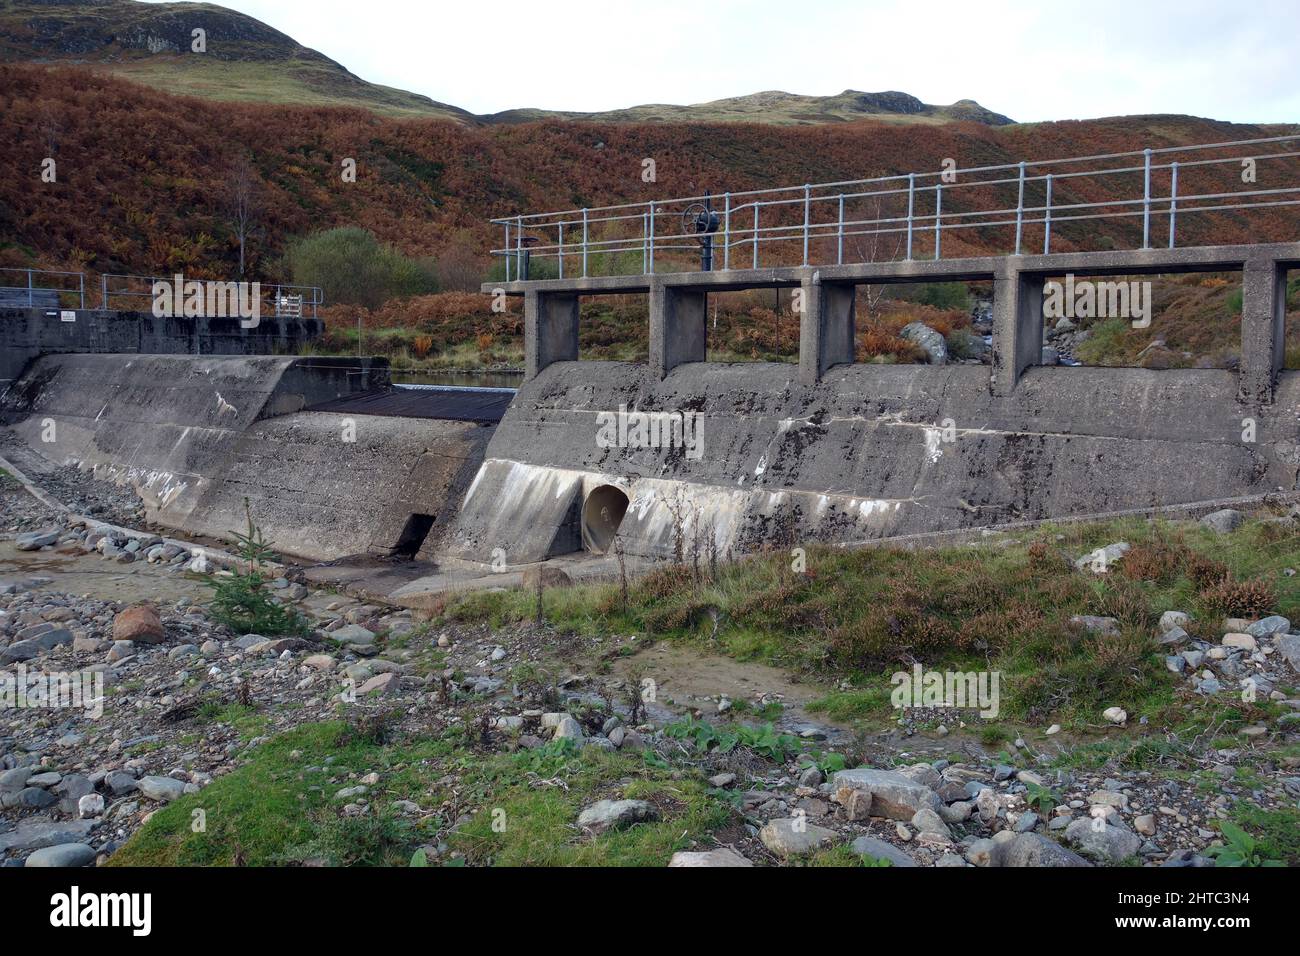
(89, 806)
(811, 777)
(11, 781)
(1103, 841)
(1288, 645)
(139, 623)
(568, 729)
(62, 854)
(931, 342)
(34, 834)
(1172, 619)
(162, 789)
(1099, 561)
(1175, 635)
(880, 850)
(1033, 850)
(795, 836)
(353, 634)
(121, 783)
(1224, 521)
(120, 651)
(722, 780)
(1267, 627)
(30, 798)
(35, 540)
(928, 821)
(1145, 824)
(71, 789)
(892, 795)
(614, 814)
(1242, 642)
(1107, 626)
(1116, 715)
(550, 577)
(19, 651)
(381, 685)
(856, 803)
(320, 662)
(723, 856)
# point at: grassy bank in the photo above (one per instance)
(857, 617)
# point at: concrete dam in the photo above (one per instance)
(740, 456)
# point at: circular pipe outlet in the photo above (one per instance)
(602, 513)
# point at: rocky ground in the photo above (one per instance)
(186, 702)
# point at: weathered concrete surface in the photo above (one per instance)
(195, 436)
(316, 495)
(26, 334)
(861, 454)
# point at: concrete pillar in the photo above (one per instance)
(827, 329)
(1263, 326)
(678, 326)
(550, 330)
(1017, 324)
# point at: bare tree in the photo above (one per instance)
(875, 246)
(241, 201)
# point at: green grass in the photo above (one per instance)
(274, 810)
(1277, 831)
(864, 615)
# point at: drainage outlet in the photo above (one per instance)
(602, 513)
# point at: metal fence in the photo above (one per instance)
(136, 293)
(38, 288)
(1143, 197)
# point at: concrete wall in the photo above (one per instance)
(862, 453)
(314, 493)
(833, 451)
(28, 333)
(193, 435)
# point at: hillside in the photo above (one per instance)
(247, 61)
(780, 108)
(144, 178)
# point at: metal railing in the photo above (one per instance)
(1011, 207)
(27, 288)
(280, 301)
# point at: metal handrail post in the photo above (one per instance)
(652, 238)
(938, 211)
(1047, 218)
(911, 194)
(1020, 207)
(726, 232)
(1146, 198)
(506, 250)
(755, 233)
(1173, 202)
(839, 235)
(559, 248)
(584, 243)
(807, 213)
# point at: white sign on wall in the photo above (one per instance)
(67, 315)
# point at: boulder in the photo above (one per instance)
(162, 789)
(880, 850)
(892, 794)
(795, 836)
(1103, 841)
(62, 854)
(550, 577)
(614, 814)
(723, 856)
(930, 341)
(139, 623)
(1224, 521)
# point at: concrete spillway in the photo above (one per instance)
(196, 436)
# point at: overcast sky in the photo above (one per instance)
(1045, 60)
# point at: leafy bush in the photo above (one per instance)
(353, 268)
(1242, 849)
